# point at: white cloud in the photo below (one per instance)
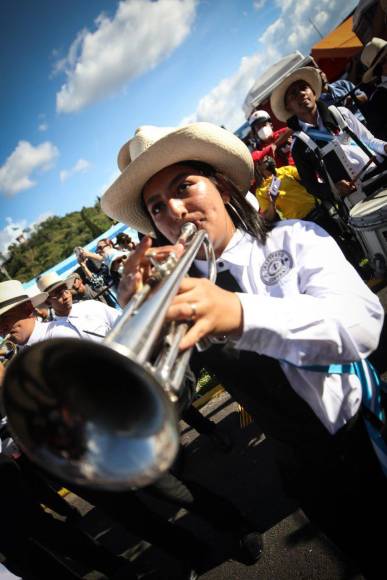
(139, 36)
(42, 127)
(15, 174)
(81, 166)
(222, 105)
(293, 30)
(258, 4)
(13, 229)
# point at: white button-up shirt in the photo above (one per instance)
(90, 320)
(87, 319)
(357, 158)
(304, 303)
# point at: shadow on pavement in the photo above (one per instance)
(248, 476)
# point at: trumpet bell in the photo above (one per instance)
(95, 417)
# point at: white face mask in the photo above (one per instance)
(265, 132)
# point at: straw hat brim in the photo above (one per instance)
(69, 282)
(35, 300)
(369, 74)
(277, 101)
(196, 142)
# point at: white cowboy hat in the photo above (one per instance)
(12, 294)
(154, 148)
(113, 256)
(50, 281)
(308, 74)
(373, 53)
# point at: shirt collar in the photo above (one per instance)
(73, 313)
(305, 126)
(37, 334)
(236, 253)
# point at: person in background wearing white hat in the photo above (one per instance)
(374, 57)
(295, 101)
(17, 318)
(287, 300)
(88, 319)
(273, 143)
(115, 263)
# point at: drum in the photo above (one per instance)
(368, 219)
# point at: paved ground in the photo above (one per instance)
(293, 549)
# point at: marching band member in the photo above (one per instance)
(286, 299)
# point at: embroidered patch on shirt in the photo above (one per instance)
(275, 267)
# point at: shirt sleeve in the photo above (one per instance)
(292, 171)
(328, 315)
(362, 132)
(111, 314)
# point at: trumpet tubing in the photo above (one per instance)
(104, 415)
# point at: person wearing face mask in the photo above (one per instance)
(273, 143)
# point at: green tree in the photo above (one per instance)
(54, 240)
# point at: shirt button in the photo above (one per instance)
(221, 265)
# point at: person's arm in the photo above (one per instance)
(323, 313)
(92, 256)
(377, 145)
(85, 269)
(283, 135)
(332, 317)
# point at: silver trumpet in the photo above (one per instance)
(103, 415)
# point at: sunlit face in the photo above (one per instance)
(300, 99)
(179, 194)
(61, 300)
(18, 322)
(78, 285)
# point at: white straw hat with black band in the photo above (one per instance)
(12, 294)
(154, 148)
(309, 74)
(51, 280)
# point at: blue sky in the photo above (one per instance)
(78, 77)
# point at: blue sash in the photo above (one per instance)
(373, 390)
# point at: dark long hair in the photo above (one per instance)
(242, 214)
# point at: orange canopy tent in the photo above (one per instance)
(333, 52)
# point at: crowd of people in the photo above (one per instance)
(294, 315)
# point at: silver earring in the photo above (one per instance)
(237, 214)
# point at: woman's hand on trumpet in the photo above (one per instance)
(213, 311)
(138, 267)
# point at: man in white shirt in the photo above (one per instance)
(295, 101)
(88, 319)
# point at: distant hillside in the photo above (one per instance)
(53, 241)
